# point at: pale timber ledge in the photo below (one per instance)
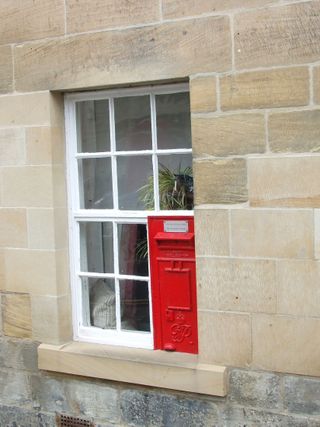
(176, 371)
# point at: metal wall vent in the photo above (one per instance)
(68, 421)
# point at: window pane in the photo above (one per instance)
(133, 249)
(175, 182)
(133, 123)
(173, 120)
(96, 250)
(96, 184)
(99, 302)
(134, 298)
(93, 129)
(134, 177)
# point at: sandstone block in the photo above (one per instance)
(265, 89)
(20, 110)
(317, 233)
(38, 146)
(295, 132)
(151, 409)
(16, 312)
(36, 273)
(278, 36)
(316, 83)
(14, 389)
(203, 96)
(225, 338)
(12, 147)
(2, 272)
(171, 50)
(212, 232)
(227, 135)
(18, 354)
(51, 319)
(31, 20)
(301, 395)
(29, 186)
(298, 290)
(13, 228)
(99, 14)
(272, 233)
(257, 389)
(236, 285)
(220, 181)
(6, 68)
(180, 8)
(41, 229)
(286, 181)
(286, 344)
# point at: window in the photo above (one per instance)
(129, 156)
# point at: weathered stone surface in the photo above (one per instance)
(18, 354)
(31, 20)
(262, 89)
(236, 285)
(316, 84)
(30, 109)
(13, 416)
(272, 233)
(225, 338)
(39, 145)
(298, 287)
(220, 181)
(12, 143)
(2, 271)
(16, 312)
(212, 232)
(13, 228)
(285, 181)
(14, 388)
(6, 68)
(76, 397)
(297, 131)
(286, 344)
(140, 408)
(181, 8)
(257, 389)
(278, 36)
(317, 233)
(302, 395)
(38, 265)
(222, 136)
(242, 416)
(117, 57)
(27, 186)
(99, 14)
(203, 96)
(51, 319)
(41, 228)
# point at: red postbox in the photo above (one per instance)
(173, 283)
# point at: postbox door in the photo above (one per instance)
(173, 284)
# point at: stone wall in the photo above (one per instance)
(254, 72)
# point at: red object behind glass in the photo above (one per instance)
(173, 283)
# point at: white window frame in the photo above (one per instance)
(76, 215)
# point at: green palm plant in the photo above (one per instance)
(175, 193)
(175, 189)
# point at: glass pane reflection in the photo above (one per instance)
(99, 302)
(173, 120)
(93, 130)
(96, 248)
(96, 184)
(175, 182)
(133, 249)
(133, 123)
(134, 298)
